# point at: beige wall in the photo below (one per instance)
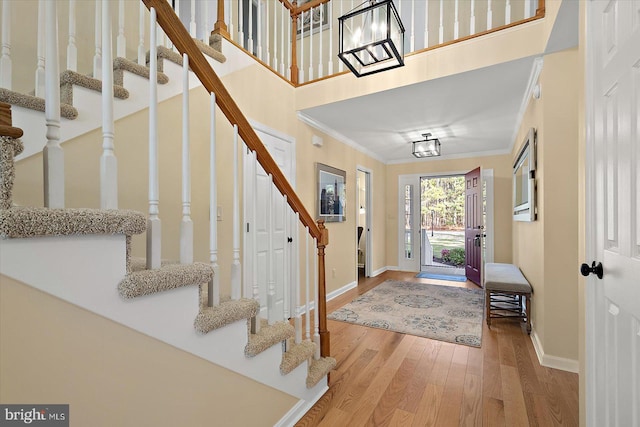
(547, 250)
(55, 352)
(501, 166)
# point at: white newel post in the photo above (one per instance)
(214, 285)
(53, 156)
(193, 28)
(441, 27)
(472, 19)
(142, 54)
(297, 283)
(5, 58)
(307, 267)
(72, 48)
(39, 89)
(489, 15)
(255, 322)
(186, 224)
(97, 56)
(271, 282)
(236, 272)
(316, 316)
(108, 160)
(121, 42)
(153, 223)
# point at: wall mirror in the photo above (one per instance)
(524, 180)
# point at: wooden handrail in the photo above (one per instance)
(181, 39)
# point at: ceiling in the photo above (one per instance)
(472, 113)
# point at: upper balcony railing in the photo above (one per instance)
(299, 40)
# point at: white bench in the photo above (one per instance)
(504, 288)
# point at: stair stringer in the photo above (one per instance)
(86, 270)
(90, 118)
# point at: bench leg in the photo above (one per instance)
(528, 314)
(487, 301)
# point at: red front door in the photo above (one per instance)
(473, 226)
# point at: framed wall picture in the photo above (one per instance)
(331, 196)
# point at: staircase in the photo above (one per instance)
(178, 302)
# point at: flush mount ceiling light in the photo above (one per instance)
(371, 38)
(429, 147)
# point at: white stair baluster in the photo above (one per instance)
(186, 225)
(141, 50)
(250, 46)
(228, 18)
(330, 63)
(268, 57)
(53, 156)
(72, 48)
(528, 12)
(456, 24)
(288, 61)
(193, 28)
(276, 63)
(108, 160)
(205, 23)
(39, 90)
(153, 223)
(214, 285)
(5, 58)
(412, 41)
(472, 19)
(301, 66)
(240, 24)
(307, 315)
(320, 65)
(121, 41)
(287, 254)
(507, 13)
(285, 21)
(316, 318)
(441, 28)
(255, 322)
(236, 267)
(297, 283)
(426, 24)
(311, 44)
(97, 56)
(271, 282)
(489, 15)
(259, 29)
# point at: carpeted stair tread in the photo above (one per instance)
(20, 221)
(268, 336)
(9, 148)
(226, 312)
(319, 369)
(34, 103)
(169, 276)
(69, 78)
(173, 56)
(215, 41)
(122, 64)
(296, 355)
(210, 51)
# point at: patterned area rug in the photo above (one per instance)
(442, 313)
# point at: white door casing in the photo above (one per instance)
(282, 149)
(367, 233)
(613, 212)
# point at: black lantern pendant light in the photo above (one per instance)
(372, 38)
(429, 147)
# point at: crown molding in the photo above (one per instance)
(536, 69)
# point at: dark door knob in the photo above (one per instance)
(289, 239)
(585, 270)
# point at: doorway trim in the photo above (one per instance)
(368, 189)
(487, 178)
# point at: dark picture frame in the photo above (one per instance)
(331, 196)
(315, 17)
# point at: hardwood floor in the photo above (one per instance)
(390, 379)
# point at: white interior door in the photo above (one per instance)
(281, 148)
(613, 212)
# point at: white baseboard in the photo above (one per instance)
(549, 361)
(299, 409)
(383, 269)
(331, 295)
